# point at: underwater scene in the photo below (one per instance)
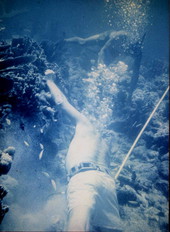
(111, 61)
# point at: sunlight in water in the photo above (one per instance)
(133, 15)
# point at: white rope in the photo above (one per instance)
(140, 133)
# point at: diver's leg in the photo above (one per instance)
(79, 219)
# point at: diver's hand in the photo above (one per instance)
(50, 74)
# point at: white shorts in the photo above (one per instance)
(95, 190)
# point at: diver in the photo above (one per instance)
(91, 195)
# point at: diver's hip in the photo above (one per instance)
(86, 166)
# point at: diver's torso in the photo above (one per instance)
(86, 146)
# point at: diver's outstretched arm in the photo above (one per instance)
(60, 99)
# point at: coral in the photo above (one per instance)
(6, 157)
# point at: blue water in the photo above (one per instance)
(98, 84)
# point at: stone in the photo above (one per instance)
(126, 194)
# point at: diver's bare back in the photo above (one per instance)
(85, 146)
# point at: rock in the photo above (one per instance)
(140, 151)
(162, 185)
(165, 157)
(9, 182)
(6, 85)
(152, 154)
(10, 151)
(3, 192)
(5, 163)
(125, 180)
(164, 226)
(146, 174)
(4, 47)
(164, 169)
(133, 204)
(3, 210)
(16, 61)
(48, 111)
(6, 157)
(126, 194)
(17, 42)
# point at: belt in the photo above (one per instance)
(85, 166)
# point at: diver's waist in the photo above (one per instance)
(86, 166)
